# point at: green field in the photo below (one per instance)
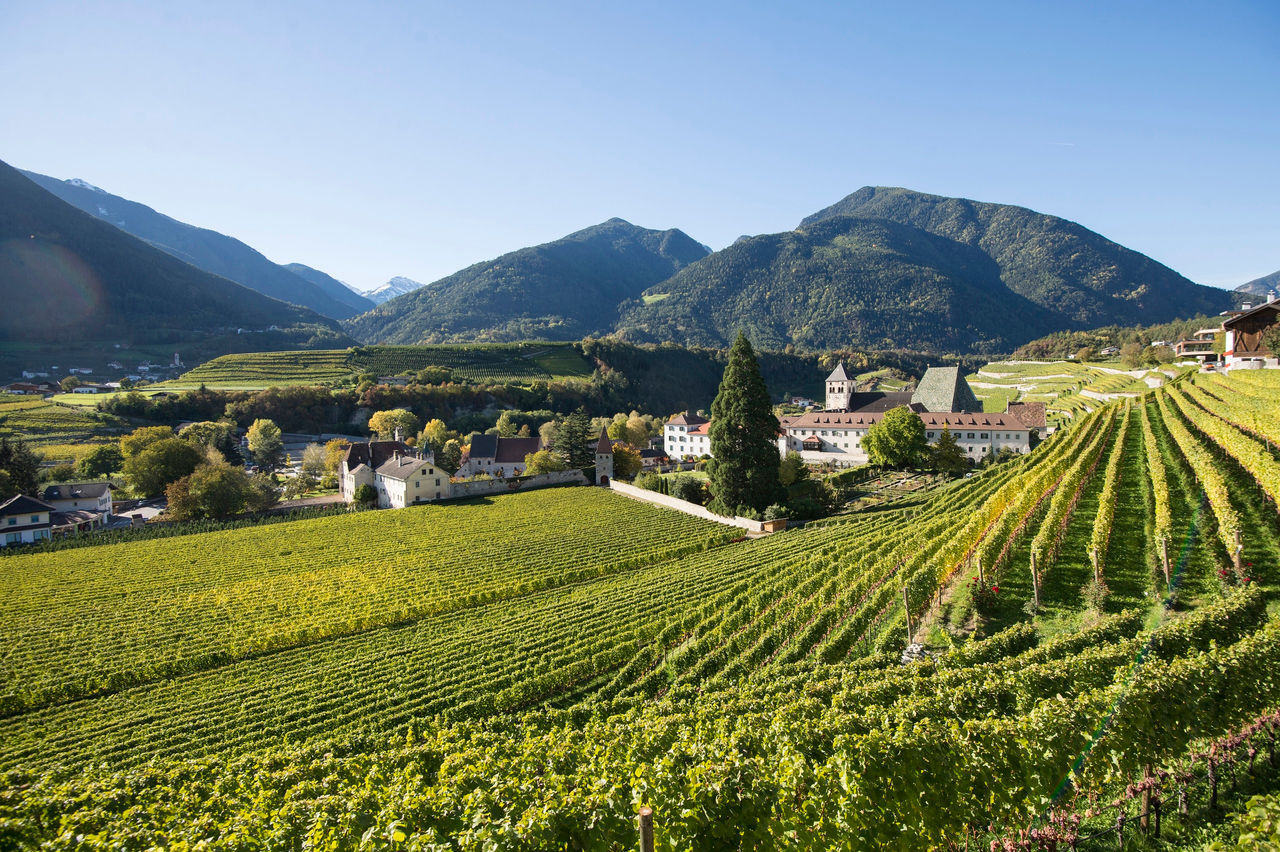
(524, 672)
(499, 363)
(1058, 384)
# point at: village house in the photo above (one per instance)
(942, 400)
(405, 480)
(79, 506)
(496, 456)
(1199, 346)
(25, 520)
(1243, 345)
(685, 436)
(361, 460)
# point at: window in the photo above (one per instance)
(437, 484)
(930, 434)
(13, 522)
(984, 436)
(12, 538)
(970, 435)
(35, 519)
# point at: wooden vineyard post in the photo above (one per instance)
(646, 829)
(982, 579)
(1093, 557)
(1164, 562)
(1035, 580)
(906, 607)
(1235, 555)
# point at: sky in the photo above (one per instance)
(374, 140)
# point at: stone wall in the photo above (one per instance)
(683, 506)
(485, 487)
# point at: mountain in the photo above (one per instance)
(1261, 286)
(338, 290)
(68, 277)
(397, 286)
(209, 250)
(562, 290)
(889, 267)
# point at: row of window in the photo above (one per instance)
(13, 521)
(16, 537)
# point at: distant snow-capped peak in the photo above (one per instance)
(84, 184)
(397, 286)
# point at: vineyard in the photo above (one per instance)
(1068, 389)
(527, 672)
(511, 363)
(42, 423)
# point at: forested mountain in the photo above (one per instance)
(1261, 286)
(896, 268)
(562, 290)
(344, 293)
(69, 277)
(208, 250)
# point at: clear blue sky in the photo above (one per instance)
(372, 140)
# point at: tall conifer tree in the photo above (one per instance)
(744, 438)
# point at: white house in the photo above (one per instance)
(686, 436)
(92, 497)
(407, 480)
(942, 399)
(499, 457)
(361, 460)
(24, 520)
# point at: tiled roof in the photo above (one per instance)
(513, 450)
(604, 446)
(374, 453)
(687, 418)
(932, 420)
(77, 491)
(401, 467)
(1031, 414)
(878, 400)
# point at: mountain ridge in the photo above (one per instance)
(204, 248)
(563, 290)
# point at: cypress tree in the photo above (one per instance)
(744, 438)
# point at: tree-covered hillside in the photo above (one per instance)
(562, 290)
(69, 278)
(896, 268)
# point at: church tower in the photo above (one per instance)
(839, 386)
(604, 459)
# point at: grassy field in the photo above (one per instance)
(525, 671)
(513, 363)
(1066, 387)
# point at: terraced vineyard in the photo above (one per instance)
(42, 423)
(512, 363)
(525, 674)
(1067, 388)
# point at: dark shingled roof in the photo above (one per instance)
(374, 453)
(878, 400)
(21, 504)
(402, 467)
(604, 447)
(77, 490)
(513, 450)
(944, 389)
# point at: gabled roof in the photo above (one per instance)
(687, 418)
(77, 491)
(932, 419)
(401, 467)
(483, 447)
(838, 374)
(513, 450)
(21, 504)
(878, 400)
(944, 389)
(374, 453)
(1258, 312)
(604, 447)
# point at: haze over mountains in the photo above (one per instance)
(881, 268)
(212, 251)
(561, 290)
(1261, 286)
(69, 277)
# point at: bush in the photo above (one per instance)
(649, 482)
(776, 512)
(688, 488)
(366, 495)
